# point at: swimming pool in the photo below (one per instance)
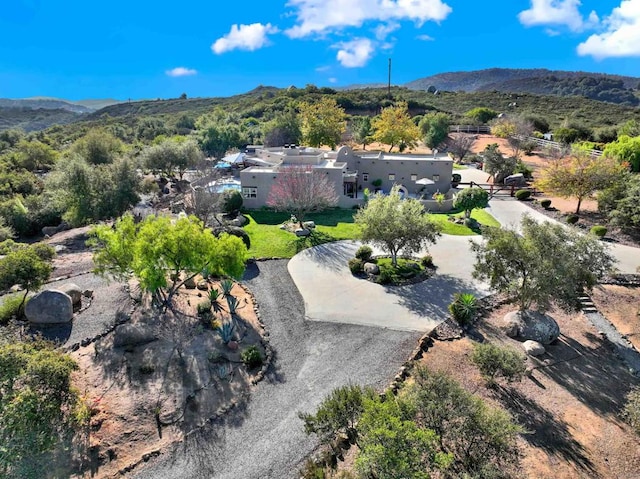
(223, 185)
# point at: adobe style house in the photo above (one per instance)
(417, 175)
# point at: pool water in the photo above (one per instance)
(223, 185)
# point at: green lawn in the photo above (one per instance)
(268, 240)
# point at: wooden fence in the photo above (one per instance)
(501, 190)
(469, 129)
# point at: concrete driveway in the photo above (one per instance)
(331, 293)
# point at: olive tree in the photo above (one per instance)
(542, 263)
(396, 224)
(470, 199)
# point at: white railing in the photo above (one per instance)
(469, 129)
(552, 144)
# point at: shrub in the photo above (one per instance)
(546, 204)
(427, 261)
(496, 361)
(377, 183)
(213, 295)
(456, 178)
(527, 171)
(356, 266)
(385, 277)
(599, 231)
(204, 308)
(233, 231)
(251, 357)
(522, 195)
(231, 201)
(631, 411)
(10, 308)
(573, 219)
(364, 253)
(463, 308)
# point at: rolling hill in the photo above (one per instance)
(596, 86)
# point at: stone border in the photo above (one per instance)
(630, 280)
(264, 338)
(325, 456)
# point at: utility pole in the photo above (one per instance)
(389, 83)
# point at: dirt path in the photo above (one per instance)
(265, 439)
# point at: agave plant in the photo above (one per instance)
(227, 286)
(214, 294)
(226, 331)
(463, 308)
(224, 372)
(233, 303)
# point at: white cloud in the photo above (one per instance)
(621, 37)
(181, 72)
(323, 68)
(322, 16)
(425, 38)
(383, 30)
(244, 37)
(333, 80)
(557, 12)
(355, 53)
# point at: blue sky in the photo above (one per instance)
(140, 49)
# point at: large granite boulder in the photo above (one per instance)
(49, 230)
(49, 307)
(371, 268)
(532, 325)
(131, 335)
(302, 232)
(74, 291)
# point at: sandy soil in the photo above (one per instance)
(147, 397)
(621, 306)
(570, 404)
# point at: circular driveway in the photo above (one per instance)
(332, 294)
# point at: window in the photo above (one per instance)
(249, 192)
(414, 177)
(365, 176)
(435, 177)
(392, 177)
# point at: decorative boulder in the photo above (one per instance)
(49, 230)
(371, 268)
(302, 232)
(190, 283)
(59, 248)
(533, 348)
(531, 325)
(49, 307)
(309, 224)
(203, 285)
(74, 292)
(88, 293)
(130, 335)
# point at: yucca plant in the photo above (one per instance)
(214, 294)
(226, 331)
(227, 286)
(463, 308)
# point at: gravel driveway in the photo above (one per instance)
(264, 438)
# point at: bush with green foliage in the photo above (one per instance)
(427, 261)
(481, 115)
(12, 307)
(27, 266)
(598, 230)
(39, 408)
(463, 308)
(522, 195)
(572, 219)
(356, 266)
(231, 201)
(523, 168)
(498, 361)
(546, 203)
(204, 308)
(251, 357)
(236, 231)
(364, 253)
(625, 211)
(338, 413)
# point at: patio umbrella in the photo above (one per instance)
(425, 181)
